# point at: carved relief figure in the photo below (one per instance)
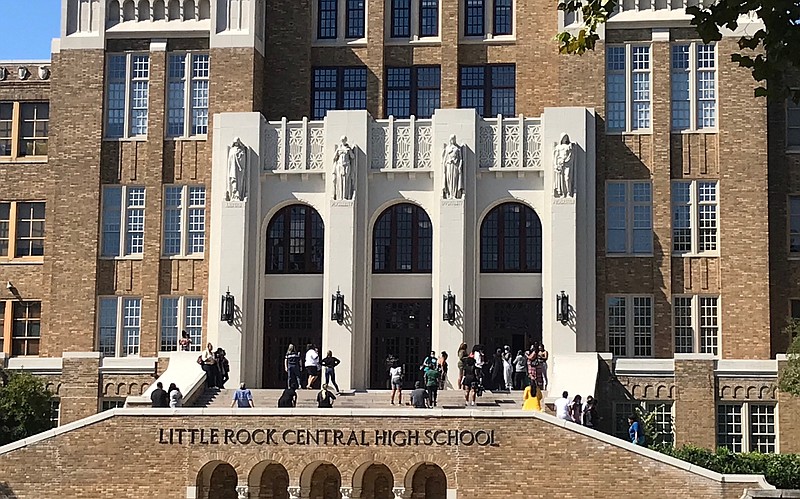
(343, 164)
(452, 163)
(237, 171)
(564, 166)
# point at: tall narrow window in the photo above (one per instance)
(30, 230)
(694, 86)
(628, 87)
(681, 88)
(34, 128)
(629, 227)
(695, 217)
(184, 220)
(6, 127)
(706, 86)
(629, 326)
(188, 96)
(127, 95)
(122, 233)
(695, 322)
(641, 88)
(511, 240)
(794, 226)
(338, 88)
(762, 428)
(682, 324)
(475, 24)
(792, 125)
(119, 328)
(26, 327)
(729, 427)
(401, 18)
(412, 91)
(429, 17)
(488, 89)
(355, 18)
(295, 241)
(398, 92)
(503, 17)
(402, 240)
(5, 229)
(615, 88)
(326, 24)
(181, 313)
(709, 325)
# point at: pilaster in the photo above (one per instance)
(695, 400)
(81, 385)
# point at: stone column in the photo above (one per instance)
(294, 492)
(234, 247)
(346, 492)
(695, 400)
(399, 493)
(453, 265)
(242, 491)
(80, 373)
(345, 252)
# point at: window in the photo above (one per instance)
(794, 226)
(181, 313)
(629, 322)
(22, 230)
(119, 326)
(355, 18)
(792, 125)
(127, 95)
(695, 321)
(628, 82)
(23, 129)
(401, 18)
(694, 87)
(187, 95)
(488, 18)
(184, 220)
(25, 327)
(629, 218)
(55, 411)
(106, 404)
(662, 411)
(339, 88)
(429, 18)
(330, 14)
(738, 432)
(511, 240)
(413, 91)
(474, 18)
(503, 14)
(794, 309)
(326, 19)
(295, 241)
(122, 237)
(490, 89)
(402, 240)
(695, 217)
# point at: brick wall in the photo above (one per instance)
(695, 403)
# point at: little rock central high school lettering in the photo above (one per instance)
(324, 437)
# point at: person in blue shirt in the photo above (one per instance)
(636, 431)
(243, 397)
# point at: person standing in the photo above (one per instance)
(470, 381)
(419, 397)
(223, 367)
(532, 398)
(325, 398)
(242, 397)
(185, 341)
(543, 357)
(477, 354)
(329, 363)
(635, 431)
(159, 398)
(519, 370)
(497, 371)
(562, 405)
(443, 368)
(175, 395)
(209, 364)
(462, 354)
(432, 376)
(396, 378)
(429, 362)
(291, 364)
(390, 362)
(590, 416)
(312, 365)
(576, 410)
(289, 396)
(508, 368)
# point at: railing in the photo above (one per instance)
(513, 143)
(294, 146)
(401, 144)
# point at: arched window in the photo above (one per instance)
(113, 13)
(144, 10)
(295, 239)
(205, 9)
(159, 11)
(511, 240)
(188, 10)
(402, 240)
(174, 10)
(128, 11)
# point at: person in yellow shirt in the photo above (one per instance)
(532, 398)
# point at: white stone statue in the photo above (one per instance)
(294, 491)
(344, 160)
(237, 171)
(453, 165)
(564, 168)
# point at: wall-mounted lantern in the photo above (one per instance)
(337, 307)
(227, 308)
(449, 307)
(562, 308)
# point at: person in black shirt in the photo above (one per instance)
(223, 366)
(159, 397)
(288, 397)
(329, 363)
(325, 398)
(292, 366)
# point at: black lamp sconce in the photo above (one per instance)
(449, 307)
(337, 307)
(562, 308)
(227, 308)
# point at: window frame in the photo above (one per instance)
(791, 107)
(747, 437)
(696, 324)
(501, 236)
(488, 88)
(630, 205)
(7, 332)
(124, 209)
(119, 325)
(127, 121)
(180, 322)
(339, 89)
(342, 26)
(417, 247)
(109, 403)
(413, 89)
(693, 70)
(13, 236)
(188, 108)
(630, 325)
(489, 32)
(16, 154)
(629, 71)
(185, 217)
(694, 204)
(286, 237)
(790, 234)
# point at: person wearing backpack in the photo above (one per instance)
(396, 377)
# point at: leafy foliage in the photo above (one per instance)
(789, 381)
(24, 406)
(781, 470)
(769, 53)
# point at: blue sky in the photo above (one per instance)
(27, 28)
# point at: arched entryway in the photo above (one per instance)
(428, 482)
(377, 482)
(270, 479)
(322, 480)
(217, 480)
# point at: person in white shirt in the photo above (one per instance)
(312, 365)
(562, 407)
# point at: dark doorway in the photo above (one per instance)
(288, 321)
(513, 322)
(402, 328)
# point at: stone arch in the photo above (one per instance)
(322, 479)
(122, 389)
(144, 10)
(128, 11)
(53, 387)
(188, 10)
(662, 391)
(375, 480)
(738, 391)
(751, 392)
(726, 392)
(413, 463)
(113, 13)
(672, 392)
(217, 480)
(204, 10)
(270, 479)
(648, 392)
(426, 481)
(174, 10)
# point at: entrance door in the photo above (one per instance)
(401, 328)
(513, 322)
(298, 322)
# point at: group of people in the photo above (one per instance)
(172, 397)
(576, 410)
(433, 372)
(305, 371)
(216, 366)
(502, 372)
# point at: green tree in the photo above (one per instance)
(789, 381)
(779, 38)
(24, 406)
